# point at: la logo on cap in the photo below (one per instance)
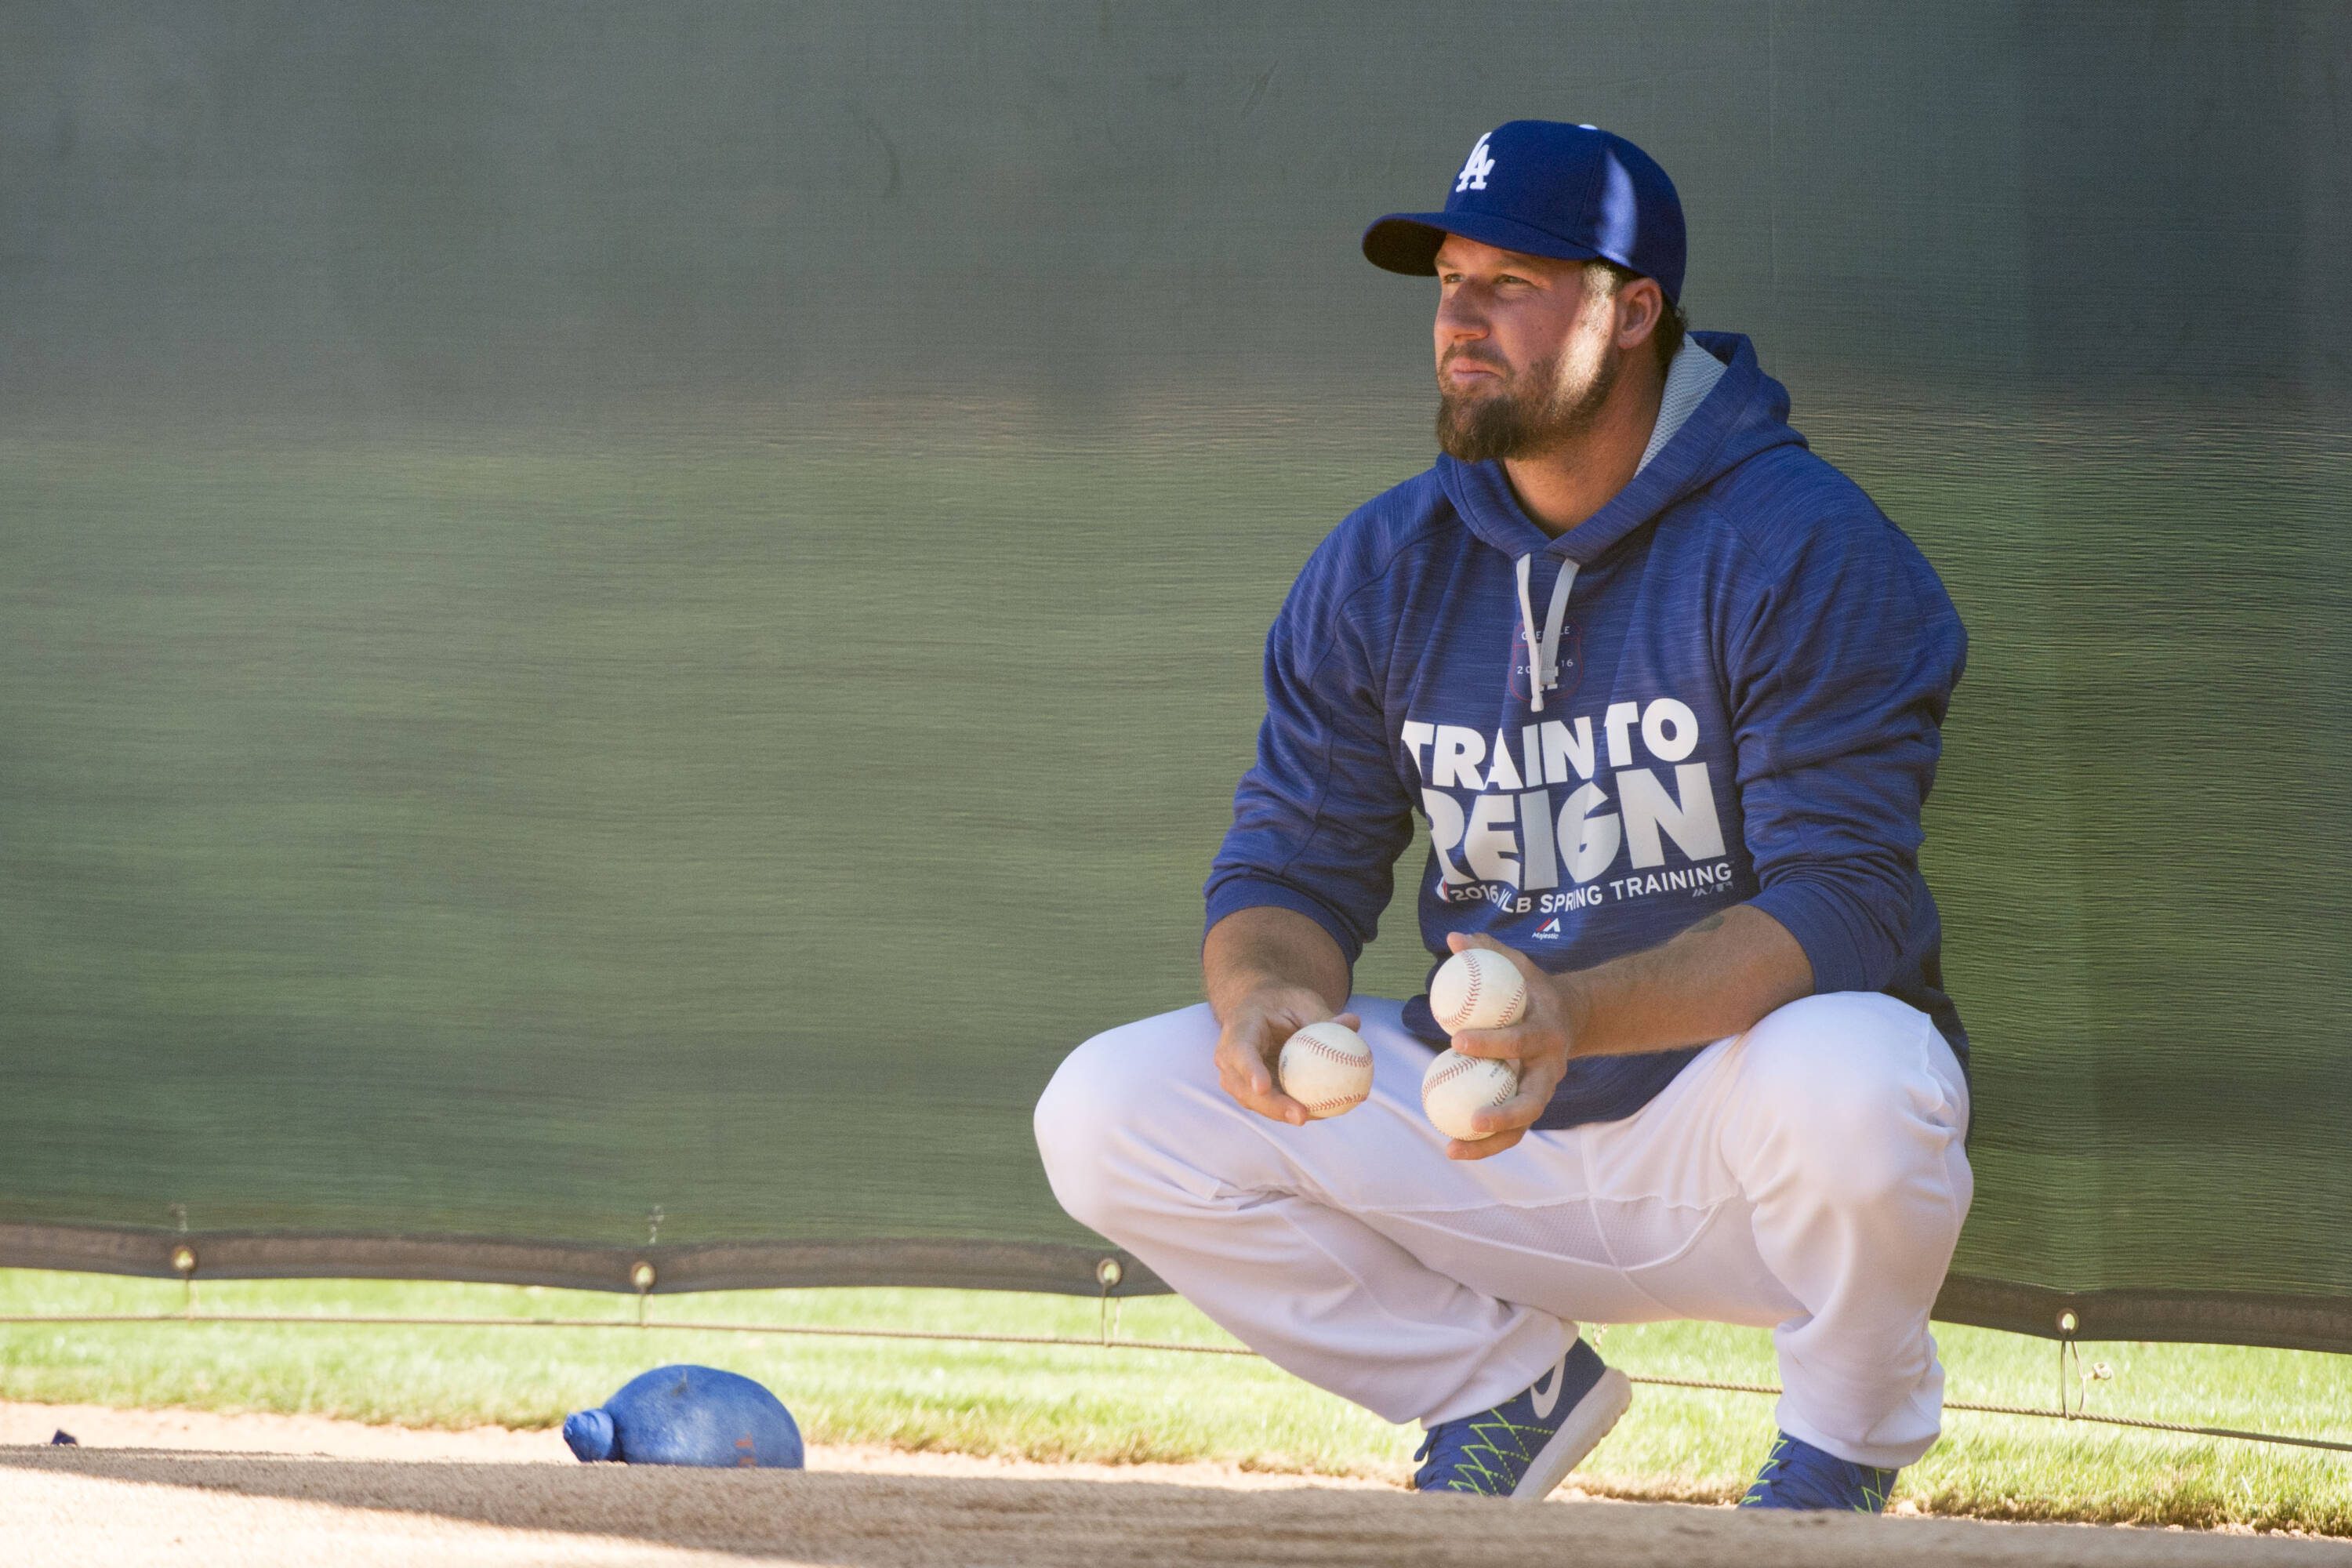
(1476, 169)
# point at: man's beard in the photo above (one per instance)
(1519, 421)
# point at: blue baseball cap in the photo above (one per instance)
(1542, 188)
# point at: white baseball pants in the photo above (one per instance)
(1806, 1176)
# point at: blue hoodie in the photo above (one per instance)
(1748, 683)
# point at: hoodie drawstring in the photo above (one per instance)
(1543, 651)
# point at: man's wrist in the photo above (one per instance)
(1270, 952)
(1580, 1013)
(1259, 991)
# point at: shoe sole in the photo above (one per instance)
(1586, 1425)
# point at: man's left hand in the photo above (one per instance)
(1540, 1044)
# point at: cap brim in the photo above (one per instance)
(1409, 242)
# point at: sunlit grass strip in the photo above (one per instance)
(1113, 1342)
(1681, 1442)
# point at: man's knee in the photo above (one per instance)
(1848, 1084)
(1106, 1093)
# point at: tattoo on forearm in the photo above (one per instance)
(1708, 924)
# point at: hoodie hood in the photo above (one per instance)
(1746, 414)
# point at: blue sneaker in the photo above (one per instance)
(1797, 1475)
(1525, 1447)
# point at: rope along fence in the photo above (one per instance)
(2068, 1410)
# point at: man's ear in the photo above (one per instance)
(1640, 302)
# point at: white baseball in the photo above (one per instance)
(1454, 1087)
(1477, 988)
(1326, 1068)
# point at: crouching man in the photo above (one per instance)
(1665, 689)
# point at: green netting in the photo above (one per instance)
(615, 607)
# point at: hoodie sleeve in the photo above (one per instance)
(1320, 818)
(1840, 670)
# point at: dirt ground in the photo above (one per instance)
(185, 1486)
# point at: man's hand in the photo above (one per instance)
(1539, 1044)
(1716, 979)
(1254, 1028)
(1269, 972)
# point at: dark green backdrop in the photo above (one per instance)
(614, 605)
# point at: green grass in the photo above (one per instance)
(1054, 1403)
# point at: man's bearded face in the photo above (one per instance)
(1526, 412)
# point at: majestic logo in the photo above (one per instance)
(1550, 929)
(1474, 170)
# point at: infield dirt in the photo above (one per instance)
(178, 1487)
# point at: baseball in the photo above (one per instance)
(1455, 1086)
(1477, 988)
(1326, 1068)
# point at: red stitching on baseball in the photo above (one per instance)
(1444, 1076)
(1470, 997)
(1336, 1053)
(1456, 1068)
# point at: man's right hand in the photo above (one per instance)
(1256, 1025)
(1269, 972)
